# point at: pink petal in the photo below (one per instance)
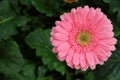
(95, 58)
(53, 29)
(54, 50)
(76, 19)
(91, 15)
(113, 48)
(56, 42)
(102, 51)
(63, 46)
(64, 24)
(79, 16)
(51, 39)
(61, 58)
(90, 58)
(110, 40)
(82, 60)
(66, 17)
(76, 59)
(61, 37)
(85, 13)
(93, 67)
(98, 16)
(70, 64)
(107, 47)
(77, 66)
(63, 53)
(70, 55)
(108, 53)
(105, 35)
(101, 62)
(73, 10)
(85, 67)
(103, 27)
(61, 30)
(52, 33)
(101, 55)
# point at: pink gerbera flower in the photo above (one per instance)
(83, 38)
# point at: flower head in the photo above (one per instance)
(83, 38)
(70, 1)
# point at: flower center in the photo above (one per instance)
(84, 38)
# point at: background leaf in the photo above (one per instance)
(39, 40)
(114, 7)
(11, 60)
(9, 20)
(49, 8)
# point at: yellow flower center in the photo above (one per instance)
(84, 38)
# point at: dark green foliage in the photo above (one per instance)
(39, 40)
(25, 48)
(114, 7)
(11, 60)
(48, 7)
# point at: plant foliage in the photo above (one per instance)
(25, 48)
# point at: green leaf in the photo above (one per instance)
(8, 26)
(111, 69)
(47, 7)
(39, 40)
(107, 1)
(12, 64)
(47, 78)
(6, 15)
(11, 60)
(28, 72)
(116, 31)
(114, 7)
(26, 2)
(5, 10)
(118, 16)
(69, 76)
(41, 72)
(90, 76)
(21, 21)
(9, 20)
